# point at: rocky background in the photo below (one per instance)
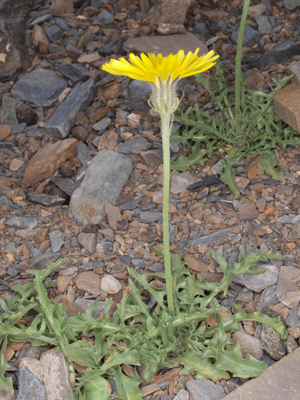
(81, 171)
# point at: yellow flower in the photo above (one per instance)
(158, 68)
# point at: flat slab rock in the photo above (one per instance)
(261, 281)
(166, 44)
(63, 119)
(103, 182)
(41, 87)
(278, 382)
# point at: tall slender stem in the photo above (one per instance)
(165, 132)
(239, 57)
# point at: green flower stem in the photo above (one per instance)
(166, 120)
(239, 57)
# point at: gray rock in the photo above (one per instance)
(30, 387)
(88, 241)
(45, 200)
(67, 185)
(41, 261)
(250, 35)
(204, 389)
(83, 154)
(293, 318)
(53, 33)
(209, 239)
(30, 351)
(272, 343)
(57, 240)
(139, 262)
(105, 18)
(22, 222)
(129, 205)
(63, 120)
(7, 203)
(8, 114)
(291, 4)
(41, 87)
(62, 23)
(257, 283)
(74, 72)
(264, 24)
(133, 146)
(102, 124)
(182, 395)
(138, 90)
(40, 20)
(152, 157)
(267, 298)
(103, 182)
(147, 217)
(156, 267)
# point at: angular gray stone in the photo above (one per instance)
(74, 72)
(67, 185)
(264, 24)
(45, 200)
(138, 90)
(41, 261)
(257, 283)
(182, 395)
(41, 87)
(272, 343)
(105, 18)
(152, 157)
(209, 239)
(133, 146)
(102, 124)
(147, 217)
(63, 120)
(291, 4)
(278, 382)
(30, 387)
(88, 241)
(110, 284)
(103, 182)
(267, 298)
(181, 181)
(293, 318)
(22, 222)
(250, 35)
(57, 240)
(53, 32)
(204, 389)
(8, 114)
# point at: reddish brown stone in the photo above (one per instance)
(60, 7)
(108, 141)
(287, 105)
(47, 160)
(168, 11)
(89, 282)
(4, 131)
(100, 113)
(125, 3)
(212, 16)
(254, 79)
